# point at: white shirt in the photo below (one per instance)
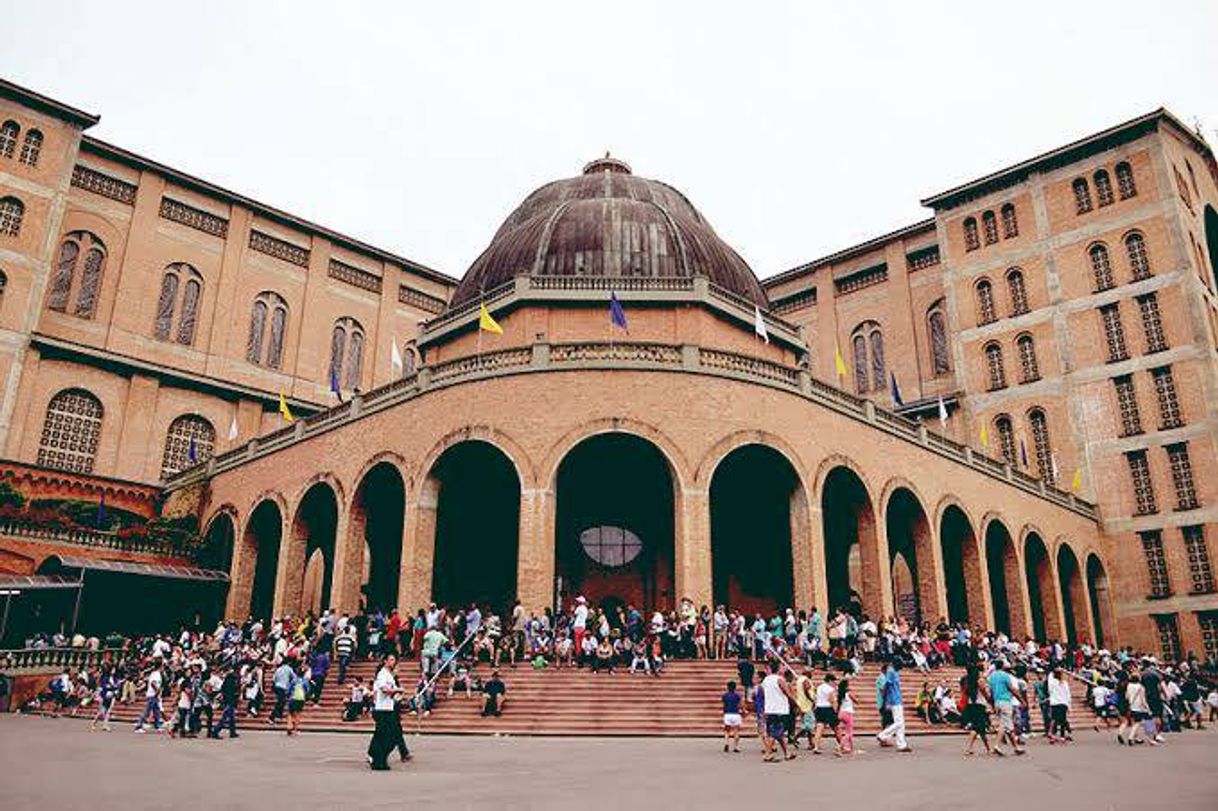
(581, 616)
(824, 695)
(1099, 695)
(1059, 691)
(154, 684)
(776, 702)
(847, 704)
(383, 689)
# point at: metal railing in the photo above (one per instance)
(79, 536)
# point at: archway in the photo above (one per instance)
(1100, 600)
(1042, 591)
(852, 564)
(1211, 242)
(615, 524)
(313, 539)
(477, 526)
(752, 514)
(377, 516)
(909, 549)
(218, 540)
(961, 567)
(263, 534)
(1006, 592)
(1073, 595)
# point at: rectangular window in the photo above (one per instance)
(1198, 559)
(1156, 563)
(1169, 402)
(1208, 622)
(1152, 323)
(1143, 487)
(1169, 636)
(1114, 332)
(1182, 476)
(1127, 403)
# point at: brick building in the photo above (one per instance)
(1060, 312)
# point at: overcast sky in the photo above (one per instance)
(795, 129)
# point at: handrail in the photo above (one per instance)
(32, 658)
(80, 536)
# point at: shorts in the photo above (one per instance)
(1140, 716)
(776, 725)
(1106, 711)
(1006, 716)
(826, 716)
(295, 706)
(975, 718)
(732, 719)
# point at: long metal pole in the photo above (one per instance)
(80, 589)
(8, 598)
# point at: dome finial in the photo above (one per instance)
(607, 164)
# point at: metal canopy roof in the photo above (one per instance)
(145, 569)
(34, 582)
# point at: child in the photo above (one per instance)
(732, 716)
(355, 704)
(461, 681)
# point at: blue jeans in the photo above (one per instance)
(343, 662)
(228, 718)
(151, 708)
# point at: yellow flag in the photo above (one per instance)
(838, 363)
(284, 411)
(1078, 480)
(485, 322)
(985, 437)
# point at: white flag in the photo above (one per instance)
(232, 429)
(1053, 463)
(759, 325)
(942, 412)
(395, 360)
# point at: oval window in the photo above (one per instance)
(610, 546)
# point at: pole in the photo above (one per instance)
(80, 589)
(8, 598)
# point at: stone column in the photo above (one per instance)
(418, 549)
(877, 567)
(289, 578)
(535, 562)
(348, 563)
(932, 585)
(691, 548)
(241, 586)
(807, 551)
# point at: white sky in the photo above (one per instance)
(796, 130)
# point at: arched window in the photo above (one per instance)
(989, 224)
(184, 279)
(994, 365)
(12, 211)
(1017, 291)
(986, 313)
(1139, 260)
(272, 307)
(9, 132)
(1029, 369)
(1040, 439)
(868, 343)
(71, 431)
(1010, 225)
(63, 278)
(90, 282)
(1125, 184)
(936, 323)
(1082, 196)
(31, 148)
(971, 241)
(860, 364)
(189, 441)
(879, 374)
(1101, 266)
(1006, 438)
(1103, 188)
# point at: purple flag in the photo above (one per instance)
(617, 316)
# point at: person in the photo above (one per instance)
(495, 691)
(152, 701)
(732, 717)
(604, 656)
(280, 683)
(579, 623)
(388, 727)
(881, 683)
(181, 719)
(1101, 706)
(845, 714)
(1139, 711)
(893, 702)
(344, 650)
(354, 708)
(1002, 686)
(229, 690)
(107, 691)
(1152, 683)
(298, 693)
(824, 711)
(777, 695)
(252, 679)
(975, 717)
(1059, 707)
(433, 640)
(804, 704)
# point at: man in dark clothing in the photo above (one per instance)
(745, 669)
(495, 690)
(1152, 682)
(344, 649)
(229, 689)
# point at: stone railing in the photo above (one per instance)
(16, 660)
(77, 536)
(686, 358)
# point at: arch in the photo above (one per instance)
(257, 561)
(911, 539)
(855, 569)
(190, 440)
(10, 131)
(989, 227)
(995, 366)
(1042, 588)
(961, 566)
(936, 328)
(1126, 185)
(1101, 266)
(1073, 595)
(1103, 188)
(1029, 367)
(1010, 223)
(12, 212)
(971, 240)
(346, 352)
(1100, 601)
(1211, 242)
(758, 510)
(987, 313)
(1005, 430)
(678, 463)
(71, 431)
(268, 321)
(1017, 291)
(1041, 445)
(219, 540)
(373, 549)
(870, 371)
(1002, 571)
(31, 147)
(1136, 253)
(313, 533)
(1082, 195)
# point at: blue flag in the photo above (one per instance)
(191, 452)
(101, 511)
(1023, 452)
(334, 385)
(896, 392)
(617, 316)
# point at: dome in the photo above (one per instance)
(608, 222)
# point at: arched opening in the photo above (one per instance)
(1100, 600)
(217, 550)
(377, 518)
(755, 495)
(961, 568)
(1042, 591)
(262, 536)
(1002, 567)
(909, 544)
(477, 526)
(1073, 596)
(852, 564)
(1211, 241)
(313, 542)
(616, 496)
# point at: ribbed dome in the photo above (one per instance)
(608, 222)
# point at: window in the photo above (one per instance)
(1103, 188)
(986, 312)
(12, 211)
(1040, 440)
(90, 283)
(1006, 438)
(1139, 262)
(1127, 404)
(1208, 622)
(1143, 487)
(1114, 332)
(31, 148)
(178, 276)
(879, 375)
(1156, 562)
(9, 132)
(1082, 196)
(1017, 291)
(189, 441)
(860, 364)
(610, 546)
(70, 431)
(1169, 636)
(1010, 225)
(1029, 369)
(1182, 187)
(1198, 559)
(64, 277)
(3, 285)
(346, 352)
(271, 307)
(1182, 476)
(1169, 402)
(993, 364)
(1125, 185)
(937, 326)
(1152, 323)
(1101, 267)
(868, 343)
(971, 242)
(989, 224)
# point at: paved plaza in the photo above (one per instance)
(50, 764)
